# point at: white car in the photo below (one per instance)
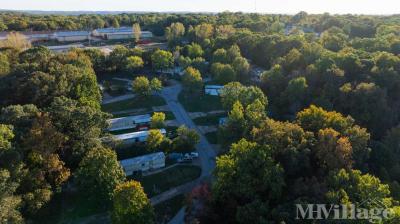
(194, 155)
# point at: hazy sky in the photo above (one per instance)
(268, 6)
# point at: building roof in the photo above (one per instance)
(117, 30)
(64, 47)
(137, 119)
(71, 33)
(137, 134)
(142, 159)
(213, 86)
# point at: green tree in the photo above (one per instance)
(137, 31)
(154, 140)
(134, 63)
(6, 135)
(194, 50)
(223, 73)
(192, 80)
(117, 57)
(4, 65)
(99, 173)
(155, 85)
(141, 86)
(351, 186)
(186, 139)
(115, 23)
(245, 175)
(333, 152)
(174, 32)
(246, 95)
(242, 68)
(158, 120)
(9, 203)
(131, 205)
(162, 60)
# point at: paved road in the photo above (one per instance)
(204, 148)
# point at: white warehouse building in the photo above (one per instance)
(129, 122)
(143, 163)
(134, 137)
(70, 36)
(119, 33)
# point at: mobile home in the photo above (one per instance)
(143, 163)
(213, 90)
(140, 122)
(135, 137)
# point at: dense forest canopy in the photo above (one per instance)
(321, 124)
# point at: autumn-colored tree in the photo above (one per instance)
(131, 205)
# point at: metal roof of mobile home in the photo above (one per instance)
(136, 134)
(137, 119)
(142, 159)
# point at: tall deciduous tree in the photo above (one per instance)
(161, 59)
(137, 32)
(192, 80)
(131, 205)
(99, 173)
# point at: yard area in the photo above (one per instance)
(135, 103)
(212, 137)
(166, 210)
(170, 178)
(209, 120)
(202, 103)
(68, 208)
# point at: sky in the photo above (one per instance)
(260, 6)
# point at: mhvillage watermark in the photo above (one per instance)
(376, 212)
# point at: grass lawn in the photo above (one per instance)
(202, 103)
(170, 178)
(209, 120)
(135, 103)
(68, 208)
(212, 137)
(166, 210)
(168, 114)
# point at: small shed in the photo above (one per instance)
(143, 163)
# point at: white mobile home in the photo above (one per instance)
(143, 163)
(130, 122)
(135, 137)
(120, 33)
(213, 90)
(70, 36)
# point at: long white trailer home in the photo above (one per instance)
(143, 163)
(135, 137)
(130, 122)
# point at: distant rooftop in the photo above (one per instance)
(72, 33)
(117, 30)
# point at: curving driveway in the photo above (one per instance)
(206, 151)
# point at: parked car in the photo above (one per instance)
(194, 155)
